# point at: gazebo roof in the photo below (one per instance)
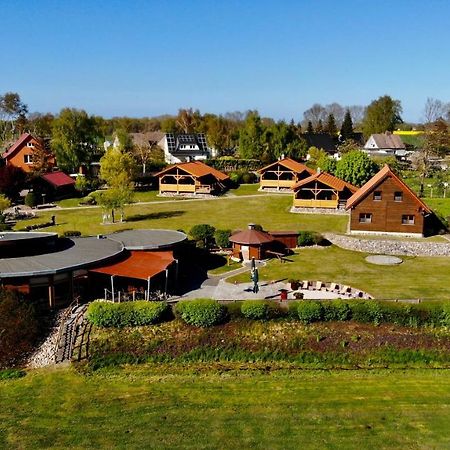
(251, 237)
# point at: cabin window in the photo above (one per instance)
(365, 218)
(30, 144)
(408, 219)
(27, 159)
(398, 196)
(377, 195)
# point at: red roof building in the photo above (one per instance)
(322, 190)
(283, 174)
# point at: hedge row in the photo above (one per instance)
(375, 312)
(208, 312)
(128, 314)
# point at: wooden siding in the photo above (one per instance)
(18, 157)
(277, 184)
(387, 213)
(300, 203)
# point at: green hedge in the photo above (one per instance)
(308, 238)
(127, 314)
(202, 312)
(372, 311)
(257, 309)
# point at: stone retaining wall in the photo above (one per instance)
(339, 212)
(390, 247)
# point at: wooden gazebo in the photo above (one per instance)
(251, 243)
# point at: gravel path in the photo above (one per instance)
(45, 353)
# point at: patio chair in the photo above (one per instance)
(305, 284)
(319, 285)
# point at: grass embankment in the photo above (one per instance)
(416, 277)
(193, 408)
(271, 211)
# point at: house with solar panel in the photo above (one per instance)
(184, 147)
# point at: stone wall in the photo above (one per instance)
(390, 247)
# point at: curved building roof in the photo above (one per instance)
(71, 254)
(148, 239)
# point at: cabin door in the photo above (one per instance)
(245, 250)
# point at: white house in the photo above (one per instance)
(185, 147)
(386, 144)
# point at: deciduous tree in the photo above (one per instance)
(356, 168)
(382, 115)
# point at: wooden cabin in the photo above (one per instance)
(322, 190)
(251, 243)
(192, 178)
(385, 204)
(283, 174)
(20, 154)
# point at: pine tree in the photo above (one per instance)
(330, 126)
(310, 129)
(347, 126)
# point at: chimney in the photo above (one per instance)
(251, 226)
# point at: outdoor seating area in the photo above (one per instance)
(341, 290)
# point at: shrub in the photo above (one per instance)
(31, 199)
(336, 310)
(249, 178)
(128, 314)
(201, 312)
(71, 233)
(307, 238)
(367, 311)
(309, 311)
(255, 310)
(445, 320)
(203, 232)
(222, 238)
(11, 374)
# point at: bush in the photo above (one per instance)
(336, 310)
(367, 312)
(71, 233)
(445, 320)
(201, 312)
(308, 238)
(203, 232)
(128, 314)
(255, 310)
(89, 200)
(31, 200)
(249, 178)
(309, 311)
(222, 238)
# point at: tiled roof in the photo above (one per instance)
(197, 169)
(22, 139)
(375, 181)
(388, 141)
(58, 179)
(290, 164)
(329, 180)
(251, 237)
(144, 139)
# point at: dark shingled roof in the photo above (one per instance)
(251, 236)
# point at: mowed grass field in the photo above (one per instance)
(271, 211)
(190, 408)
(416, 277)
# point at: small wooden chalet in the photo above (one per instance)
(55, 185)
(20, 154)
(283, 174)
(192, 178)
(322, 190)
(385, 204)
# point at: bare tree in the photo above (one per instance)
(315, 113)
(337, 111)
(434, 109)
(357, 112)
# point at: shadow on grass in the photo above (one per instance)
(154, 216)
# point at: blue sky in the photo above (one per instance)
(144, 58)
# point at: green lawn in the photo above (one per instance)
(246, 189)
(425, 278)
(194, 408)
(271, 211)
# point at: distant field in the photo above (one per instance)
(194, 408)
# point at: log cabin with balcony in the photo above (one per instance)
(322, 190)
(282, 175)
(192, 178)
(386, 205)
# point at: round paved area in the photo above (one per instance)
(384, 260)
